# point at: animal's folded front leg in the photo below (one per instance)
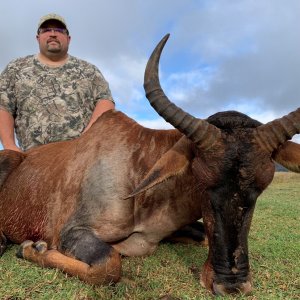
(106, 270)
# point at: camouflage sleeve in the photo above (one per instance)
(7, 95)
(101, 88)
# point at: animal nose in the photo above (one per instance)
(223, 289)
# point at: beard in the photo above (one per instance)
(54, 47)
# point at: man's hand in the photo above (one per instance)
(14, 148)
(101, 107)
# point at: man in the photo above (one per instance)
(51, 96)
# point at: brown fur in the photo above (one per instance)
(128, 185)
(107, 272)
(288, 155)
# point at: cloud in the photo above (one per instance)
(222, 54)
(254, 48)
(155, 124)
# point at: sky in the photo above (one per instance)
(222, 54)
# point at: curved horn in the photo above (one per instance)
(276, 132)
(199, 131)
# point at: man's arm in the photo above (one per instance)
(7, 137)
(101, 107)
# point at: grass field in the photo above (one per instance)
(173, 272)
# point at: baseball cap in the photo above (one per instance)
(52, 17)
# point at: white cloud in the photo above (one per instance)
(222, 54)
(155, 124)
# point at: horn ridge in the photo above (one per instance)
(277, 132)
(197, 130)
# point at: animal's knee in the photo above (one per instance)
(83, 244)
(107, 272)
(104, 262)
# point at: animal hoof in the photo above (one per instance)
(26, 244)
(40, 246)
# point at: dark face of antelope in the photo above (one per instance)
(238, 171)
(233, 164)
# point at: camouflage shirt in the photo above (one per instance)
(50, 103)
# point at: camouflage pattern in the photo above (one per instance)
(50, 104)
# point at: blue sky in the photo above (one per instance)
(222, 54)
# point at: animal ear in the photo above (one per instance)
(174, 162)
(9, 160)
(288, 155)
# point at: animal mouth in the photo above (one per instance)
(244, 288)
(223, 282)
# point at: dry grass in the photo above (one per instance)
(286, 177)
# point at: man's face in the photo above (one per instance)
(53, 38)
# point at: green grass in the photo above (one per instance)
(173, 270)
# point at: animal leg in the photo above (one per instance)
(3, 243)
(193, 233)
(104, 269)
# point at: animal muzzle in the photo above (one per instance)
(222, 289)
(233, 280)
(224, 281)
